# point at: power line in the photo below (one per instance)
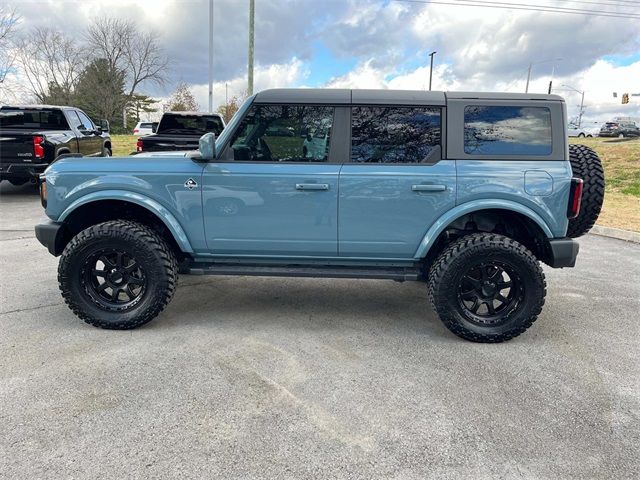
(504, 6)
(559, 8)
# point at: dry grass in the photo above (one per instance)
(621, 160)
(622, 172)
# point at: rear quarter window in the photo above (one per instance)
(507, 130)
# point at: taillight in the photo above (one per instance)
(38, 149)
(135, 130)
(43, 190)
(139, 145)
(575, 197)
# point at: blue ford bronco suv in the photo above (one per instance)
(468, 192)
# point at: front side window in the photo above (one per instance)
(506, 130)
(395, 134)
(284, 133)
(86, 123)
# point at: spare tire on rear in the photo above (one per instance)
(586, 165)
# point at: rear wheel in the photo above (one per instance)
(487, 288)
(117, 275)
(585, 164)
(106, 152)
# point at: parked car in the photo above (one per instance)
(180, 131)
(582, 131)
(471, 209)
(33, 136)
(620, 129)
(145, 128)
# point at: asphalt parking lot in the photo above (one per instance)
(303, 378)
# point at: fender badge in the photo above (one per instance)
(190, 184)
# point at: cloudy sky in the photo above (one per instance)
(384, 44)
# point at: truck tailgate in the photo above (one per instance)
(16, 147)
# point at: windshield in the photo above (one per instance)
(196, 124)
(46, 119)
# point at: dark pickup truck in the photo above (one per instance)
(180, 131)
(33, 136)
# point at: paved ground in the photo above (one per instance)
(291, 378)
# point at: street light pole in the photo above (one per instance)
(431, 69)
(252, 12)
(526, 88)
(210, 56)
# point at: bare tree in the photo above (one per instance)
(129, 50)
(182, 100)
(51, 63)
(8, 22)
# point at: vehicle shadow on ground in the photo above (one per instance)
(28, 189)
(302, 304)
(621, 140)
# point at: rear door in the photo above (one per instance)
(396, 183)
(275, 190)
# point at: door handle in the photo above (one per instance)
(428, 188)
(312, 186)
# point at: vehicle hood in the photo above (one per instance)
(173, 162)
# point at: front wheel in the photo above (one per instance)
(487, 288)
(117, 275)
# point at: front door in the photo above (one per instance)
(396, 184)
(274, 192)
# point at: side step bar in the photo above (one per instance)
(389, 273)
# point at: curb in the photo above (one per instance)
(618, 233)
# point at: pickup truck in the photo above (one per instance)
(33, 136)
(180, 131)
(467, 192)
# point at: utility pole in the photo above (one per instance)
(431, 69)
(210, 56)
(252, 14)
(581, 92)
(526, 89)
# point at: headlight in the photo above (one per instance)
(43, 190)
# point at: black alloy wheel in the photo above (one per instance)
(114, 279)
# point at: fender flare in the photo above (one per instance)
(439, 225)
(153, 206)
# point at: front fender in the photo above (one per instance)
(153, 206)
(438, 227)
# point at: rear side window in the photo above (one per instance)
(395, 134)
(146, 125)
(284, 133)
(195, 124)
(505, 130)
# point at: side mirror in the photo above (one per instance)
(104, 125)
(207, 147)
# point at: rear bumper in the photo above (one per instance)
(21, 170)
(52, 235)
(563, 252)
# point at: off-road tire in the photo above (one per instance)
(445, 283)
(586, 165)
(147, 247)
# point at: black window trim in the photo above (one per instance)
(443, 128)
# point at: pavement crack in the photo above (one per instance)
(31, 308)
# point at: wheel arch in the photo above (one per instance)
(108, 205)
(507, 218)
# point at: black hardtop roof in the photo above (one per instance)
(384, 96)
